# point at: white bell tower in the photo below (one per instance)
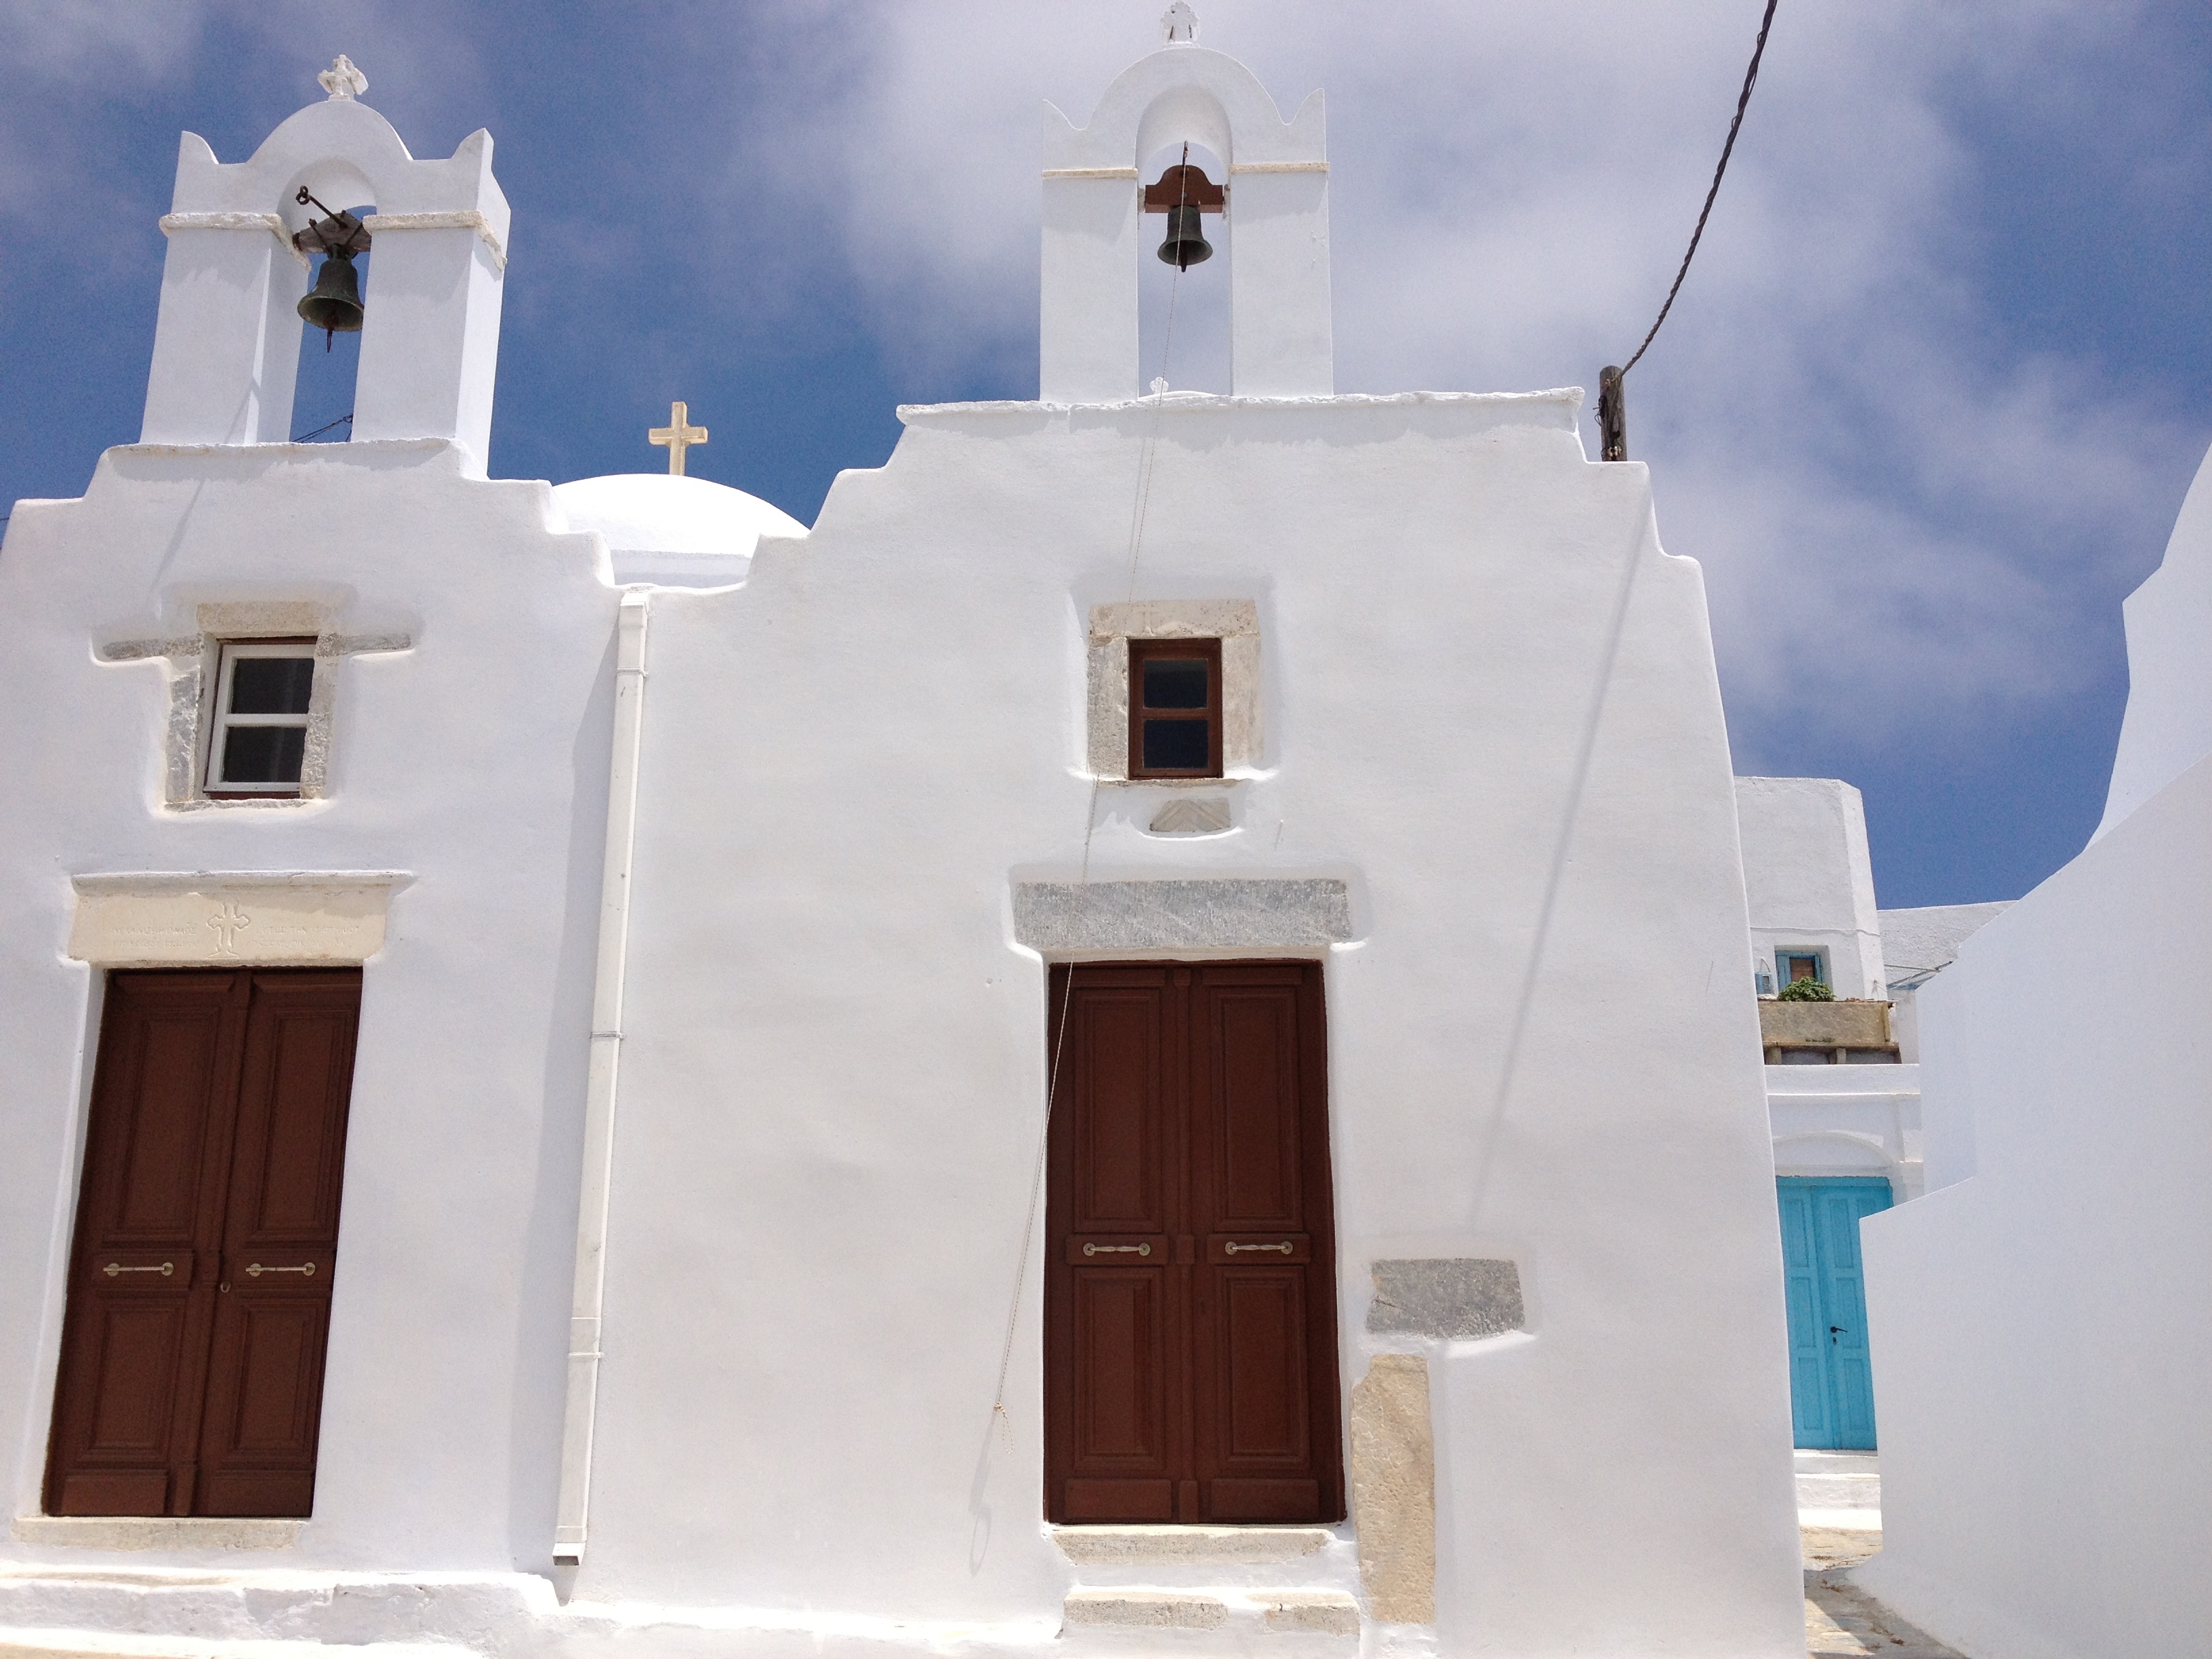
(226, 345)
(1278, 185)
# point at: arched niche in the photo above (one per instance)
(1818, 1152)
(1281, 341)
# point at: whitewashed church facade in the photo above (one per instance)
(591, 1068)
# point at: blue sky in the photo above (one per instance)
(1924, 412)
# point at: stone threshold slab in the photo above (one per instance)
(39, 1644)
(1189, 1546)
(156, 1532)
(1315, 1612)
(1855, 1519)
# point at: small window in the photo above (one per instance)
(1800, 964)
(260, 739)
(1174, 708)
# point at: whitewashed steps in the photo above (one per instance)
(1288, 1592)
(182, 1613)
(35, 1643)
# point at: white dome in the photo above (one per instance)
(677, 532)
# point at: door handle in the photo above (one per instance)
(254, 1270)
(115, 1267)
(1833, 1330)
(1239, 1249)
(1088, 1249)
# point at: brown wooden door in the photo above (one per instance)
(1190, 1324)
(191, 1365)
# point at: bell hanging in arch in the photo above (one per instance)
(1186, 244)
(333, 304)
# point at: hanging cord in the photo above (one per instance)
(1612, 410)
(304, 437)
(1140, 510)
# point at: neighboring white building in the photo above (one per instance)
(1809, 882)
(1842, 1087)
(1918, 944)
(2039, 1317)
(987, 1077)
(1838, 1102)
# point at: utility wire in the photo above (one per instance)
(341, 421)
(1742, 103)
(1612, 411)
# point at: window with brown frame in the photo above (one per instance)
(1174, 708)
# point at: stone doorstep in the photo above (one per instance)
(155, 1532)
(1838, 1491)
(1318, 1612)
(34, 1644)
(1842, 1519)
(1210, 1547)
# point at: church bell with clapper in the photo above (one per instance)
(1184, 193)
(334, 304)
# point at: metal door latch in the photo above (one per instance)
(1235, 1250)
(114, 1267)
(254, 1270)
(1117, 1249)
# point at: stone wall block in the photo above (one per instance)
(1393, 1490)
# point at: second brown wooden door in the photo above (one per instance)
(1190, 1367)
(191, 1367)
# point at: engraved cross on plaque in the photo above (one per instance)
(677, 436)
(227, 920)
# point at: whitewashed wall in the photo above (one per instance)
(2039, 1344)
(2039, 1322)
(1848, 1121)
(2168, 726)
(474, 761)
(1490, 706)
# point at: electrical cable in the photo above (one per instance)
(304, 437)
(1742, 102)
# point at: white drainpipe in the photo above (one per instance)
(590, 1297)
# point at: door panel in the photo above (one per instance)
(265, 1372)
(1120, 1397)
(1114, 1081)
(1263, 1351)
(192, 1353)
(1189, 1155)
(1850, 1373)
(1253, 1063)
(1809, 1376)
(1831, 1372)
(134, 1340)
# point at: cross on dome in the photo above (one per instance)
(342, 79)
(1180, 22)
(677, 436)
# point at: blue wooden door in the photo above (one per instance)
(1830, 1376)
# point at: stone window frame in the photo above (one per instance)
(1235, 622)
(195, 662)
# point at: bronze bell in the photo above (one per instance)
(333, 304)
(1186, 244)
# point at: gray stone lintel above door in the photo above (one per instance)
(1256, 914)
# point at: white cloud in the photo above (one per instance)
(1902, 530)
